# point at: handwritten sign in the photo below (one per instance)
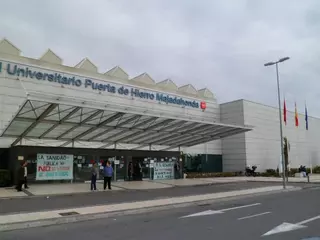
(163, 170)
(54, 167)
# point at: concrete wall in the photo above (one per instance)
(234, 147)
(263, 143)
(261, 146)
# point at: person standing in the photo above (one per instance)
(130, 171)
(94, 175)
(20, 177)
(140, 171)
(26, 175)
(176, 170)
(108, 171)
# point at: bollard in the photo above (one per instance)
(308, 178)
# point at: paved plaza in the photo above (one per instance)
(74, 188)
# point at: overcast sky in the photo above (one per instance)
(219, 44)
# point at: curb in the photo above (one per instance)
(122, 189)
(66, 194)
(290, 182)
(88, 217)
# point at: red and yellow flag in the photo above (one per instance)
(296, 115)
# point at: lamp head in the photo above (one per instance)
(269, 64)
(284, 59)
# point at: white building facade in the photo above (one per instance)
(44, 103)
(261, 146)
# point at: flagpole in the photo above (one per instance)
(285, 125)
(296, 116)
(306, 118)
(308, 149)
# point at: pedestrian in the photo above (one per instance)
(176, 170)
(130, 171)
(108, 171)
(140, 171)
(26, 175)
(94, 175)
(20, 176)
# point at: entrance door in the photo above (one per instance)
(143, 163)
(146, 173)
(119, 169)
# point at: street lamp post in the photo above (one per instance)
(280, 118)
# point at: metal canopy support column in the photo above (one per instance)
(61, 121)
(106, 145)
(111, 119)
(34, 124)
(143, 123)
(64, 144)
(168, 148)
(142, 131)
(147, 134)
(117, 126)
(218, 136)
(178, 135)
(79, 124)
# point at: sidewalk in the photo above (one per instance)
(315, 178)
(74, 188)
(45, 217)
(78, 188)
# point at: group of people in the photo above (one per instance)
(135, 171)
(22, 174)
(303, 171)
(107, 176)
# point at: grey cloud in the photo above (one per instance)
(221, 45)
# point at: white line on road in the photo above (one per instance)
(211, 212)
(287, 227)
(255, 215)
(308, 220)
(244, 206)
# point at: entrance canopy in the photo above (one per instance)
(67, 123)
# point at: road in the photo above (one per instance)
(31, 204)
(245, 218)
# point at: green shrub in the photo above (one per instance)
(5, 178)
(316, 169)
(271, 171)
(293, 171)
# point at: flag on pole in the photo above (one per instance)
(284, 112)
(296, 115)
(306, 117)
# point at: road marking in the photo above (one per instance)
(287, 227)
(212, 212)
(252, 216)
(308, 220)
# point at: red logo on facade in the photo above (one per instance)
(203, 105)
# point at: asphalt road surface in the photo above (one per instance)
(245, 218)
(31, 204)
